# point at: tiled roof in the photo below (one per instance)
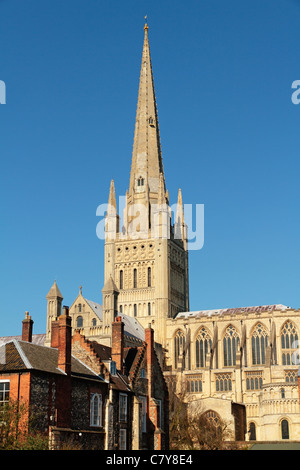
(120, 382)
(21, 355)
(104, 352)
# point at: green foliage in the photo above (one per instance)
(17, 431)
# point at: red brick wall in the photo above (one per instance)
(19, 391)
(117, 345)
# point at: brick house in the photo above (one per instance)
(66, 395)
(86, 393)
(137, 410)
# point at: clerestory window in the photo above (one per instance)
(259, 344)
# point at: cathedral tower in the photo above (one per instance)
(147, 257)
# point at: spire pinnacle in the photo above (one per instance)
(112, 204)
(54, 291)
(179, 226)
(146, 26)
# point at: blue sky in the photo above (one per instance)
(230, 139)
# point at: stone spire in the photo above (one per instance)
(179, 226)
(146, 166)
(112, 217)
(112, 204)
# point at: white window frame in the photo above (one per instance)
(123, 402)
(144, 413)
(96, 410)
(123, 439)
(5, 381)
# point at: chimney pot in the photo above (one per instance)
(27, 326)
(65, 310)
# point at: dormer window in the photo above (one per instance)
(113, 367)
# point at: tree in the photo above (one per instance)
(17, 428)
(191, 427)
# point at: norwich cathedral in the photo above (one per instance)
(227, 359)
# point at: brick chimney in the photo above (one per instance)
(54, 334)
(149, 339)
(62, 335)
(117, 345)
(65, 338)
(27, 325)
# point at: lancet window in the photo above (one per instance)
(289, 343)
(203, 347)
(231, 342)
(179, 346)
(259, 343)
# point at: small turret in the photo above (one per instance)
(54, 303)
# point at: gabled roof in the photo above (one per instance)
(18, 355)
(102, 351)
(97, 308)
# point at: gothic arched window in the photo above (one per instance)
(203, 346)
(259, 342)
(231, 342)
(289, 342)
(149, 277)
(252, 431)
(212, 421)
(285, 434)
(121, 279)
(79, 322)
(179, 345)
(140, 181)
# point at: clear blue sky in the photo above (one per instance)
(230, 139)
